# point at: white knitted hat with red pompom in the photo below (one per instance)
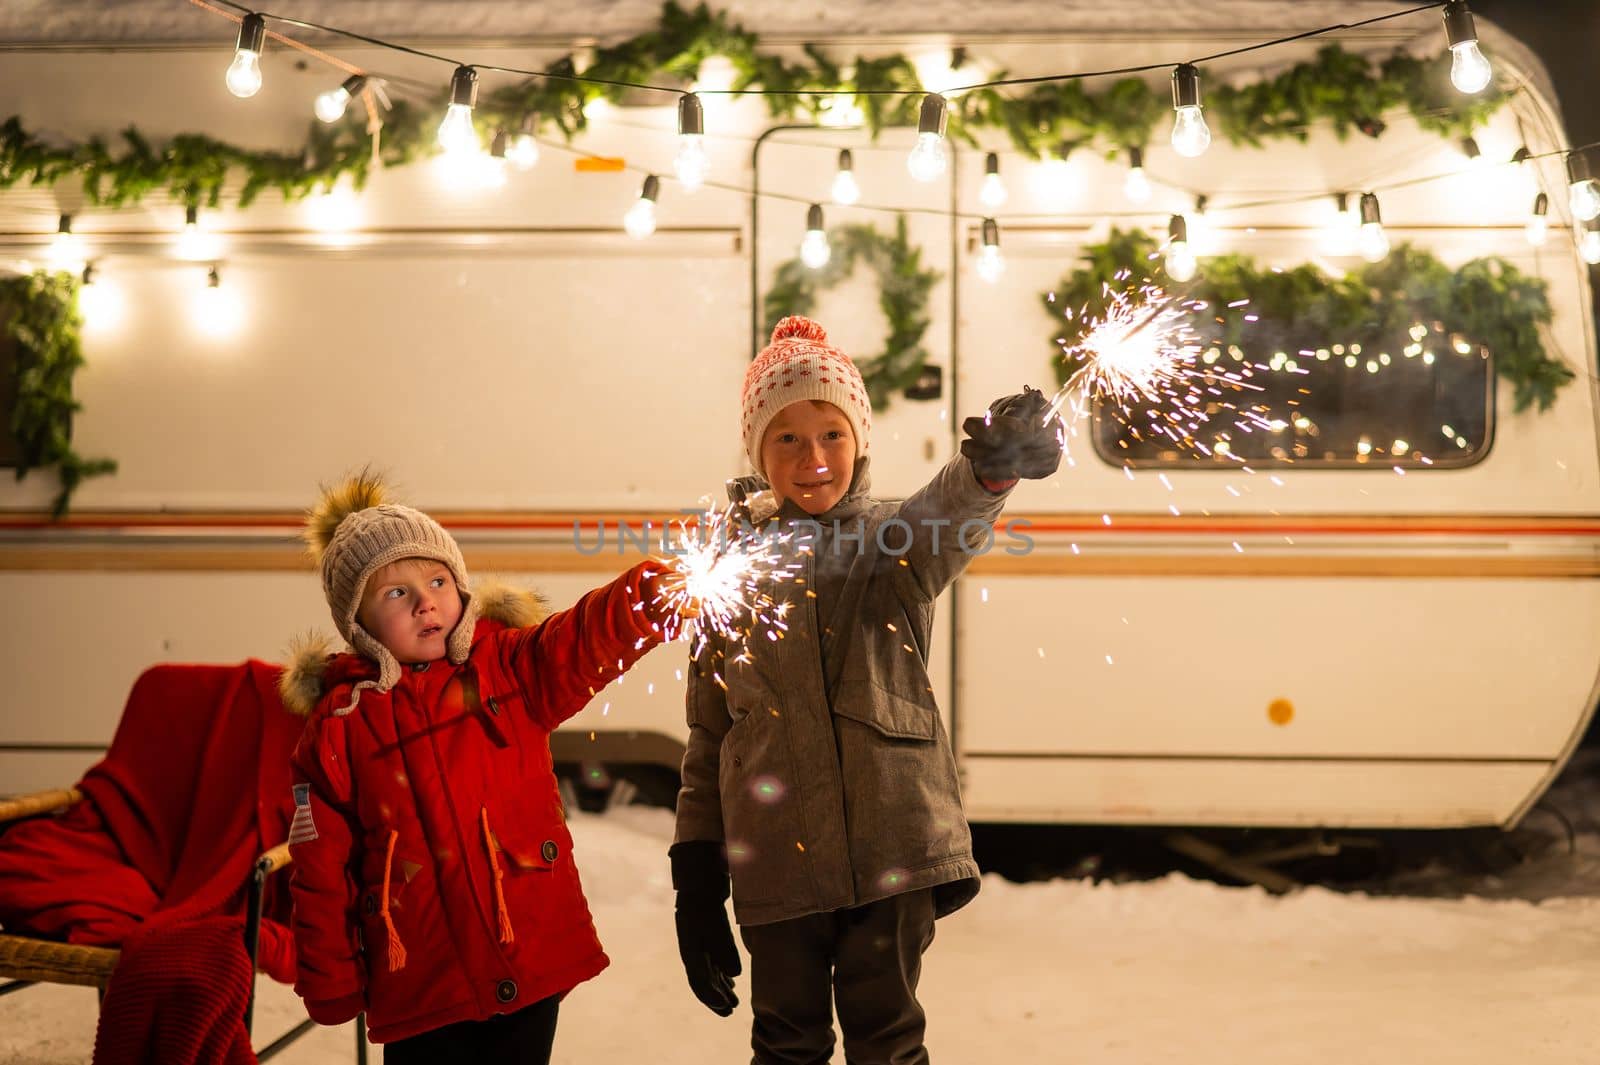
(800, 364)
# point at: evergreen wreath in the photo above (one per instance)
(39, 318)
(1340, 87)
(1486, 302)
(903, 288)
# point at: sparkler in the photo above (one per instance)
(724, 572)
(1141, 361)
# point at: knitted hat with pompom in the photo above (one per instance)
(353, 532)
(800, 364)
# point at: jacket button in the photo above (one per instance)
(371, 905)
(550, 850)
(419, 667)
(737, 762)
(506, 990)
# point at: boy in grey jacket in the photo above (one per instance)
(818, 772)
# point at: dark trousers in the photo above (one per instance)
(523, 1038)
(867, 959)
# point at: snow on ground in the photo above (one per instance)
(1171, 969)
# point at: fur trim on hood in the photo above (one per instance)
(302, 684)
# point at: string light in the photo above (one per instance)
(1137, 186)
(845, 189)
(992, 193)
(1190, 134)
(691, 163)
(1346, 223)
(217, 311)
(456, 135)
(194, 243)
(101, 304)
(1056, 176)
(990, 264)
(1589, 246)
(1373, 242)
(524, 150)
(494, 169)
(927, 160)
(66, 247)
(1180, 262)
(244, 73)
(1538, 230)
(640, 221)
(330, 105)
(1583, 193)
(1202, 235)
(1469, 70)
(814, 250)
(1473, 153)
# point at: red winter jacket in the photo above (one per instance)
(433, 874)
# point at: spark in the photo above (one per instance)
(724, 573)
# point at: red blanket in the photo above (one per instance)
(194, 787)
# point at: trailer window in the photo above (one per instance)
(1428, 405)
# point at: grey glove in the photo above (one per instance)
(1014, 440)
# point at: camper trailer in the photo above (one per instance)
(1392, 621)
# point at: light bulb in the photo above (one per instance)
(330, 105)
(1181, 263)
(845, 189)
(66, 250)
(100, 303)
(1589, 247)
(691, 163)
(1137, 186)
(456, 135)
(1584, 199)
(992, 193)
(194, 243)
(1373, 242)
(814, 249)
(1469, 70)
(244, 74)
(991, 264)
(1538, 230)
(640, 221)
(333, 210)
(524, 150)
(217, 310)
(1190, 134)
(927, 160)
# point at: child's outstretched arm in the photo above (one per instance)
(565, 659)
(951, 518)
(330, 975)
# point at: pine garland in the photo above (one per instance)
(38, 314)
(1340, 87)
(903, 288)
(1486, 302)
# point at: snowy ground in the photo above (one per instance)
(1169, 969)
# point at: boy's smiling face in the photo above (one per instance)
(808, 454)
(411, 607)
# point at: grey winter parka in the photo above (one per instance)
(821, 759)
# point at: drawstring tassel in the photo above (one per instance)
(397, 950)
(504, 915)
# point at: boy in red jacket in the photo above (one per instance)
(433, 875)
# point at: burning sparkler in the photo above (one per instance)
(1141, 361)
(723, 575)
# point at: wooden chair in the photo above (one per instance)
(26, 961)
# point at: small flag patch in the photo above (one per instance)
(302, 829)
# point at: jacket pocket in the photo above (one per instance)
(889, 713)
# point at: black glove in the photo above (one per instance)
(705, 940)
(1014, 440)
